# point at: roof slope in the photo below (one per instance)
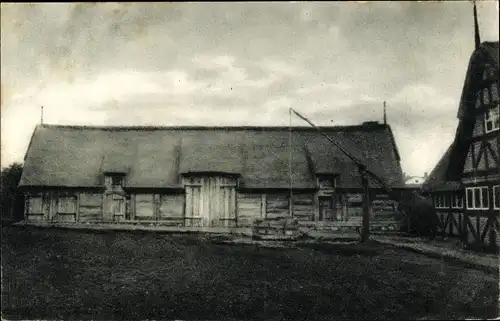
(438, 179)
(157, 156)
(487, 53)
(446, 174)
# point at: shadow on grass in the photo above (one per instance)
(367, 249)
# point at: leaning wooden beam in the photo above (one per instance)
(360, 165)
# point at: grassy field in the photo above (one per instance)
(64, 274)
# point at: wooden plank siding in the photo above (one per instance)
(35, 207)
(210, 201)
(144, 206)
(277, 205)
(249, 208)
(90, 207)
(171, 208)
(66, 206)
(303, 206)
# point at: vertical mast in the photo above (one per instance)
(385, 114)
(477, 37)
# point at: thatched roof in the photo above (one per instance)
(151, 157)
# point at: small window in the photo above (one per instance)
(478, 198)
(327, 182)
(496, 197)
(446, 201)
(492, 119)
(478, 101)
(486, 96)
(470, 198)
(485, 204)
(460, 201)
(116, 181)
(457, 201)
(442, 201)
(494, 92)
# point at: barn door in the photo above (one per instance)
(223, 202)
(210, 201)
(118, 207)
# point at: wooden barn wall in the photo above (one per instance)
(304, 207)
(277, 205)
(37, 206)
(354, 206)
(249, 207)
(90, 206)
(62, 206)
(192, 209)
(144, 206)
(156, 206)
(171, 206)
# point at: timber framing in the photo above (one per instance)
(470, 168)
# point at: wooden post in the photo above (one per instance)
(365, 235)
(264, 205)
(156, 207)
(132, 207)
(26, 205)
(77, 218)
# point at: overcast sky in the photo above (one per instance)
(240, 64)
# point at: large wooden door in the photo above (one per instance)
(118, 207)
(210, 201)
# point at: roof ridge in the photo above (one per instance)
(369, 126)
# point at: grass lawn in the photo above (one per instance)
(65, 274)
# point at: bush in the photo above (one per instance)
(421, 218)
(12, 201)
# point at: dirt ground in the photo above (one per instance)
(64, 274)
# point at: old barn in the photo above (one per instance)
(204, 176)
(465, 182)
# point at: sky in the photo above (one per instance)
(232, 64)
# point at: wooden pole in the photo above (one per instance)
(290, 202)
(365, 235)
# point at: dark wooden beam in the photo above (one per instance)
(365, 234)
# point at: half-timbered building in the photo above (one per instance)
(204, 176)
(465, 182)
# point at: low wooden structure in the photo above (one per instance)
(221, 177)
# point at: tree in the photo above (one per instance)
(12, 202)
